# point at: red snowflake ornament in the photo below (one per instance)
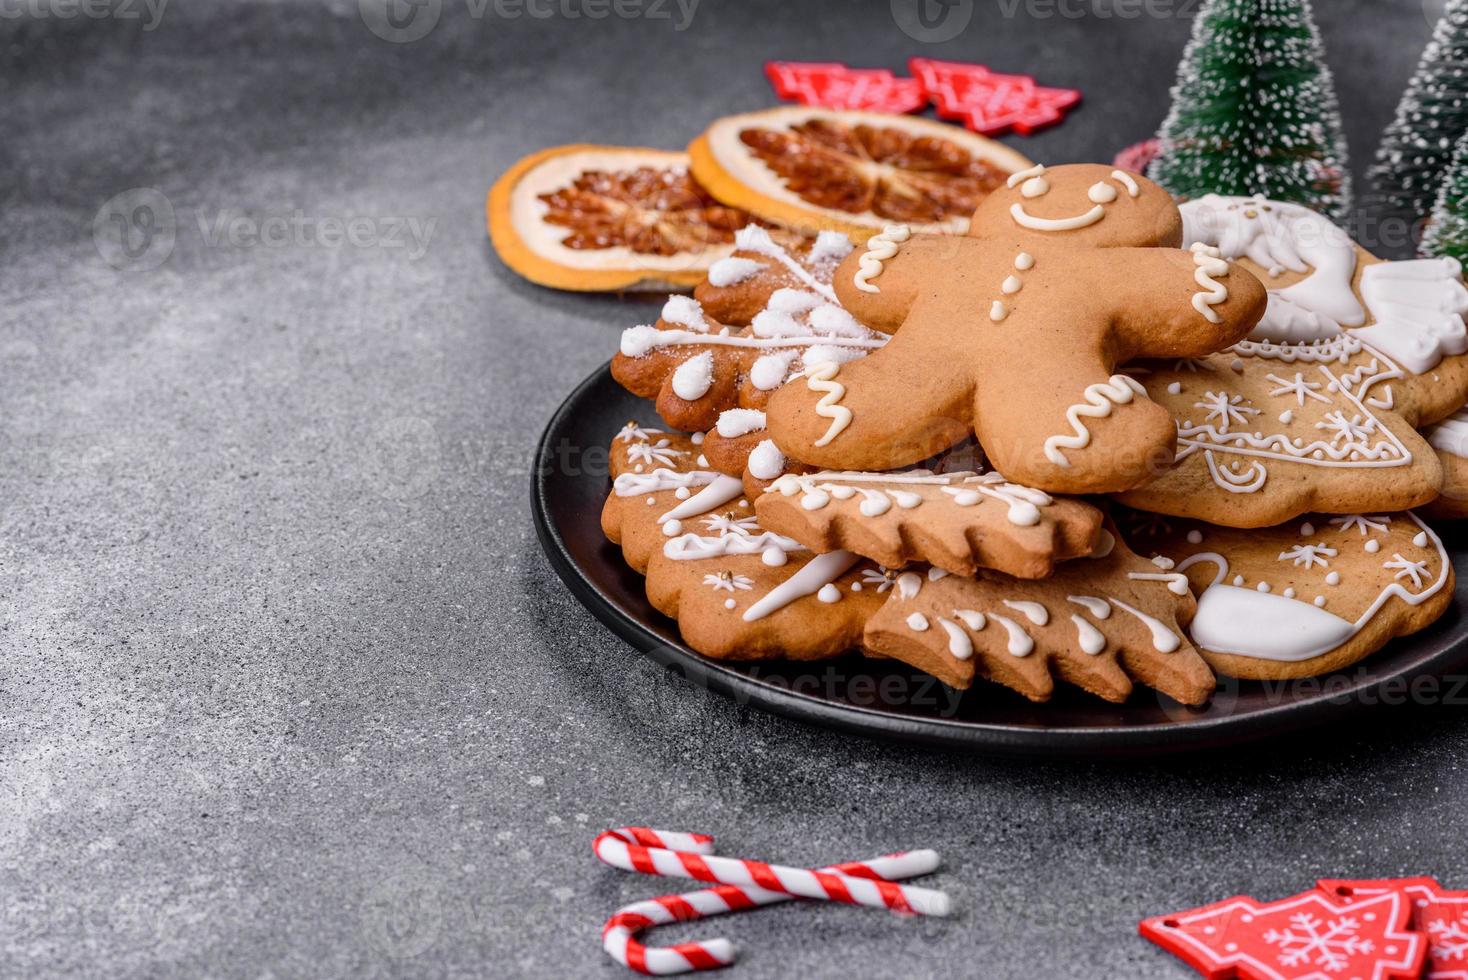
(1438, 913)
(1311, 936)
(831, 85)
(988, 102)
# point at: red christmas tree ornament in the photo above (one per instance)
(1441, 915)
(988, 102)
(1311, 936)
(831, 85)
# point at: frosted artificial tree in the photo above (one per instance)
(1447, 234)
(1254, 110)
(1431, 117)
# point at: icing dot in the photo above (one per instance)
(1024, 261)
(1307, 529)
(729, 603)
(855, 586)
(1237, 365)
(1101, 193)
(998, 311)
(1289, 593)
(1421, 539)
(829, 593)
(696, 438)
(1011, 284)
(773, 556)
(1263, 586)
(651, 501)
(1034, 187)
(917, 622)
(1175, 388)
(1334, 578)
(743, 503)
(1238, 580)
(672, 527)
(1320, 600)
(682, 493)
(1287, 416)
(1372, 547)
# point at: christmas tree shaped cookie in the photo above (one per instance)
(959, 521)
(1015, 331)
(1303, 598)
(1100, 623)
(697, 360)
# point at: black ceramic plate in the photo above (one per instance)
(879, 698)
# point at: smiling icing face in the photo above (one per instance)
(1083, 204)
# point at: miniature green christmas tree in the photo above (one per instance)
(1417, 147)
(1254, 110)
(1448, 232)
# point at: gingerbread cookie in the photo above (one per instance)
(1303, 598)
(960, 521)
(1015, 332)
(1449, 439)
(739, 287)
(696, 367)
(1268, 431)
(1100, 623)
(737, 590)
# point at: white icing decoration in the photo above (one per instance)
(1418, 307)
(965, 488)
(1195, 536)
(736, 422)
(651, 453)
(998, 311)
(829, 594)
(1099, 399)
(1010, 285)
(830, 246)
(1034, 187)
(1209, 264)
(792, 301)
(1020, 644)
(959, 645)
(1033, 611)
(732, 271)
(1072, 223)
(766, 462)
(821, 378)
(684, 311)
(1127, 181)
(718, 492)
(637, 484)
(1020, 176)
(1099, 608)
(909, 584)
(1451, 435)
(637, 341)
(1177, 583)
(818, 572)
(728, 582)
(769, 371)
(672, 527)
(1091, 640)
(972, 618)
(752, 238)
(917, 622)
(880, 248)
(1024, 261)
(1308, 555)
(1101, 193)
(1164, 640)
(1175, 388)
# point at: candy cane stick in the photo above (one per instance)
(619, 935)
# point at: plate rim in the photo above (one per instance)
(996, 738)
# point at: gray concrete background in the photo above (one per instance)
(287, 688)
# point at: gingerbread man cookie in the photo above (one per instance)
(960, 521)
(1099, 623)
(1015, 332)
(1303, 598)
(697, 365)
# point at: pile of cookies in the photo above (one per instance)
(1099, 438)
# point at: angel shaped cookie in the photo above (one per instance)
(1015, 332)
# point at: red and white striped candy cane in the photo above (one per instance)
(619, 935)
(633, 849)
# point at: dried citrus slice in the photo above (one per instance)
(608, 217)
(850, 171)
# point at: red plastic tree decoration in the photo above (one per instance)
(1312, 936)
(1440, 914)
(831, 85)
(988, 102)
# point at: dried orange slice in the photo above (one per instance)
(850, 171)
(593, 217)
